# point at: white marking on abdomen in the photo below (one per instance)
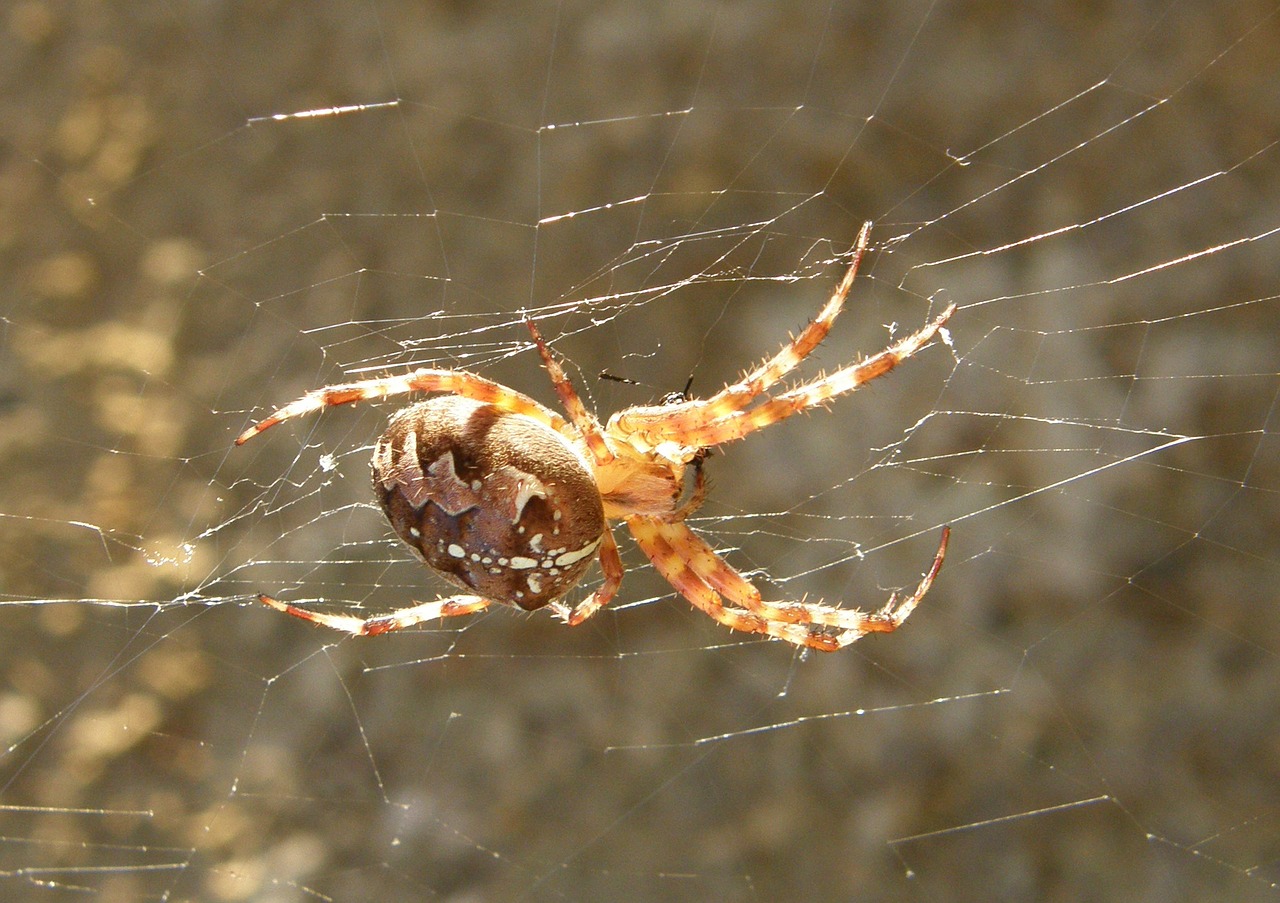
(569, 558)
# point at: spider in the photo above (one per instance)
(511, 502)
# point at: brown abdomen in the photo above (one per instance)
(496, 503)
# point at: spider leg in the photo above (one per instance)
(583, 419)
(895, 612)
(843, 626)
(611, 565)
(661, 543)
(458, 382)
(699, 412)
(807, 395)
(396, 620)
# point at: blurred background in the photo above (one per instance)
(1084, 707)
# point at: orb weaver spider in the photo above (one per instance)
(511, 501)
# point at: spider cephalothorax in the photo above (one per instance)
(509, 500)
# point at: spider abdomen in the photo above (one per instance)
(495, 502)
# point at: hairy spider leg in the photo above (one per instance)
(650, 536)
(611, 566)
(459, 382)
(589, 427)
(702, 577)
(396, 620)
(807, 395)
(889, 618)
(850, 623)
(583, 419)
(696, 412)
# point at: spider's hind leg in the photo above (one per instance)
(377, 624)
(458, 382)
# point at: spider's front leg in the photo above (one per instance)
(836, 627)
(655, 539)
(706, 580)
(693, 413)
(811, 394)
(396, 620)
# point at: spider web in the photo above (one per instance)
(205, 215)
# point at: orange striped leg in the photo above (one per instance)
(588, 426)
(396, 620)
(651, 420)
(651, 537)
(720, 576)
(666, 561)
(611, 565)
(807, 395)
(458, 382)
(847, 625)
